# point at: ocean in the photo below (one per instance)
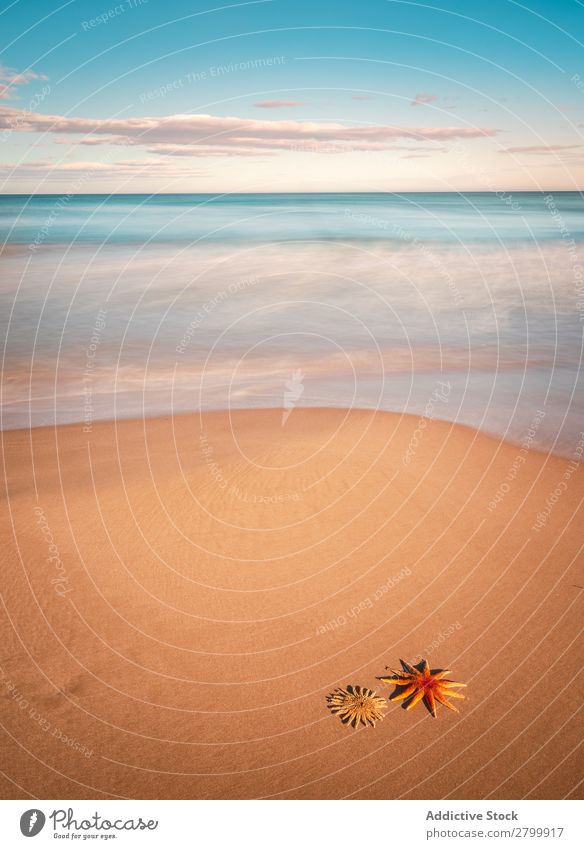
(462, 307)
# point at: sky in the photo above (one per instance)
(291, 95)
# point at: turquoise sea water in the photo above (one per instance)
(133, 305)
(120, 219)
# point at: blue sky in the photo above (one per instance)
(330, 96)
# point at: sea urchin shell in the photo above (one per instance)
(355, 705)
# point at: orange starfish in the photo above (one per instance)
(420, 682)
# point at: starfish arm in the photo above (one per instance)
(415, 699)
(430, 703)
(404, 694)
(425, 667)
(451, 684)
(394, 679)
(440, 673)
(440, 698)
(452, 694)
(407, 667)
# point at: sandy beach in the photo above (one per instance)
(181, 594)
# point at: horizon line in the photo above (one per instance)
(351, 192)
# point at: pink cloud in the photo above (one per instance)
(185, 150)
(278, 104)
(423, 97)
(11, 79)
(43, 168)
(165, 149)
(207, 133)
(541, 148)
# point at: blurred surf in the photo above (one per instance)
(134, 305)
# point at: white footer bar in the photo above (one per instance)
(292, 824)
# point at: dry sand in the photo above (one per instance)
(213, 578)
